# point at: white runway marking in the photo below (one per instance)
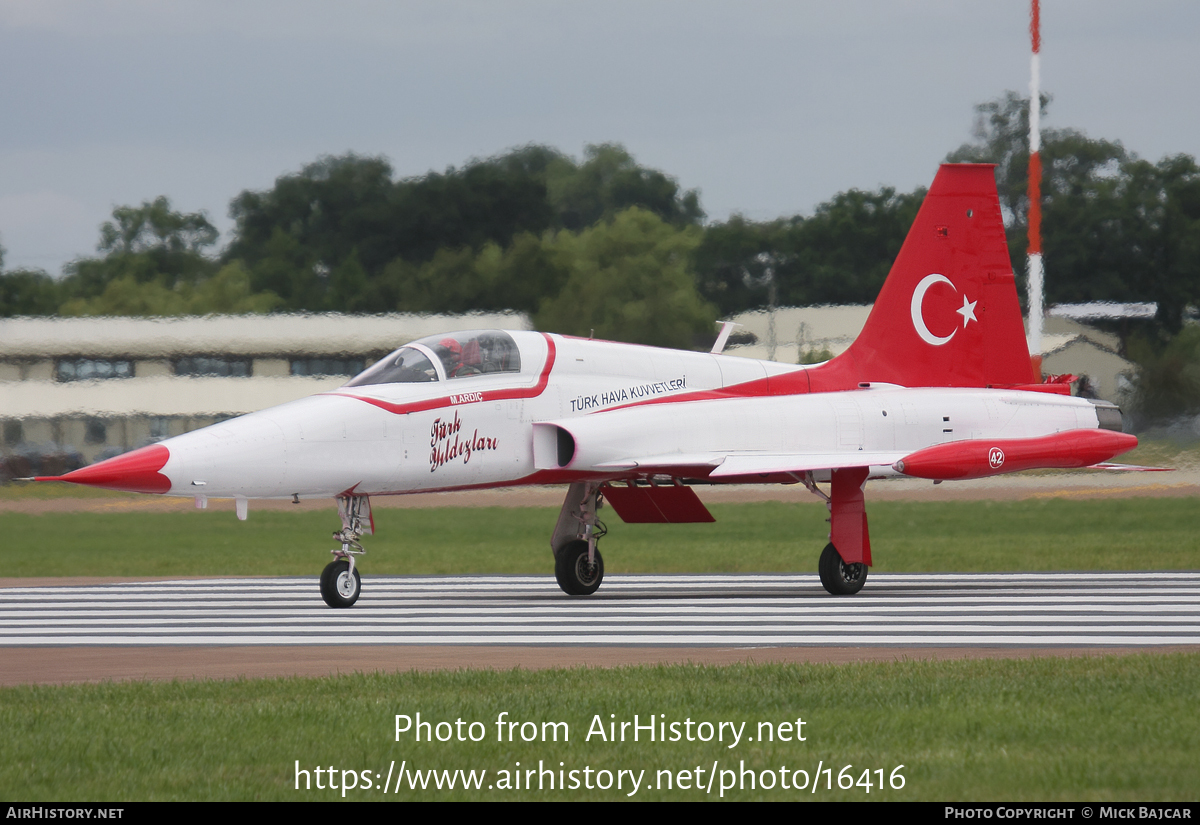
(1003, 609)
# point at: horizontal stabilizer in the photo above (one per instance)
(667, 504)
(1130, 468)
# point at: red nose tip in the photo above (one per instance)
(135, 472)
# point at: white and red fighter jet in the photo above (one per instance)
(939, 385)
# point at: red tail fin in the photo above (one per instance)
(948, 314)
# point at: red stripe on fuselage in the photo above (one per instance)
(488, 395)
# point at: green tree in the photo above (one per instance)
(145, 244)
(729, 261)
(840, 255)
(609, 181)
(518, 277)
(348, 288)
(318, 217)
(400, 235)
(28, 292)
(154, 227)
(1114, 227)
(843, 253)
(629, 280)
(1168, 379)
(524, 274)
(125, 295)
(1161, 231)
(227, 292)
(285, 268)
(448, 283)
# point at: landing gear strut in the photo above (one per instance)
(844, 561)
(578, 565)
(340, 582)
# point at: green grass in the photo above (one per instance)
(1051, 534)
(31, 491)
(1180, 455)
(1103, 729)
(1112, 728)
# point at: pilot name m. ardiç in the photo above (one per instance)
(445, 450)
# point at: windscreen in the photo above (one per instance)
(404, 366)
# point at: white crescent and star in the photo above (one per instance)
(967, 311)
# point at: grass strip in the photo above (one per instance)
(963, 536)
(1087, 728)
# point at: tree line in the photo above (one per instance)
(608, 245)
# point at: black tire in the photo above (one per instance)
(839, 578)
(338, 587)
(575, 576)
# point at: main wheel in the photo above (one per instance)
(839, 578)
(575, 576)
(340, 587)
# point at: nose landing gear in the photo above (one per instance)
(340, 582)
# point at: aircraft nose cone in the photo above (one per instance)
(134, 472)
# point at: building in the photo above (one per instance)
(797, 334)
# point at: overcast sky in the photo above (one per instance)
(768, 108)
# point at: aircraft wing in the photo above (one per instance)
(677, 504)
(755, 463)
(725, 465)
(610, 443)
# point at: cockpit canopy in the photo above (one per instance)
(445, 357)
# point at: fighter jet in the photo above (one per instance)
(939, 385)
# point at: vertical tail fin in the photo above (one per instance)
(948, 314)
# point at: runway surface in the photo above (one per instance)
(1022, 610)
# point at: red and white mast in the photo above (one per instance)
(1036, 287)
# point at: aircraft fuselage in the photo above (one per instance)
(479, 431)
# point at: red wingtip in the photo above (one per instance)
(134, 472)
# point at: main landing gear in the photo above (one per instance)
(844, 561)
(340, 582)
(578, 565)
